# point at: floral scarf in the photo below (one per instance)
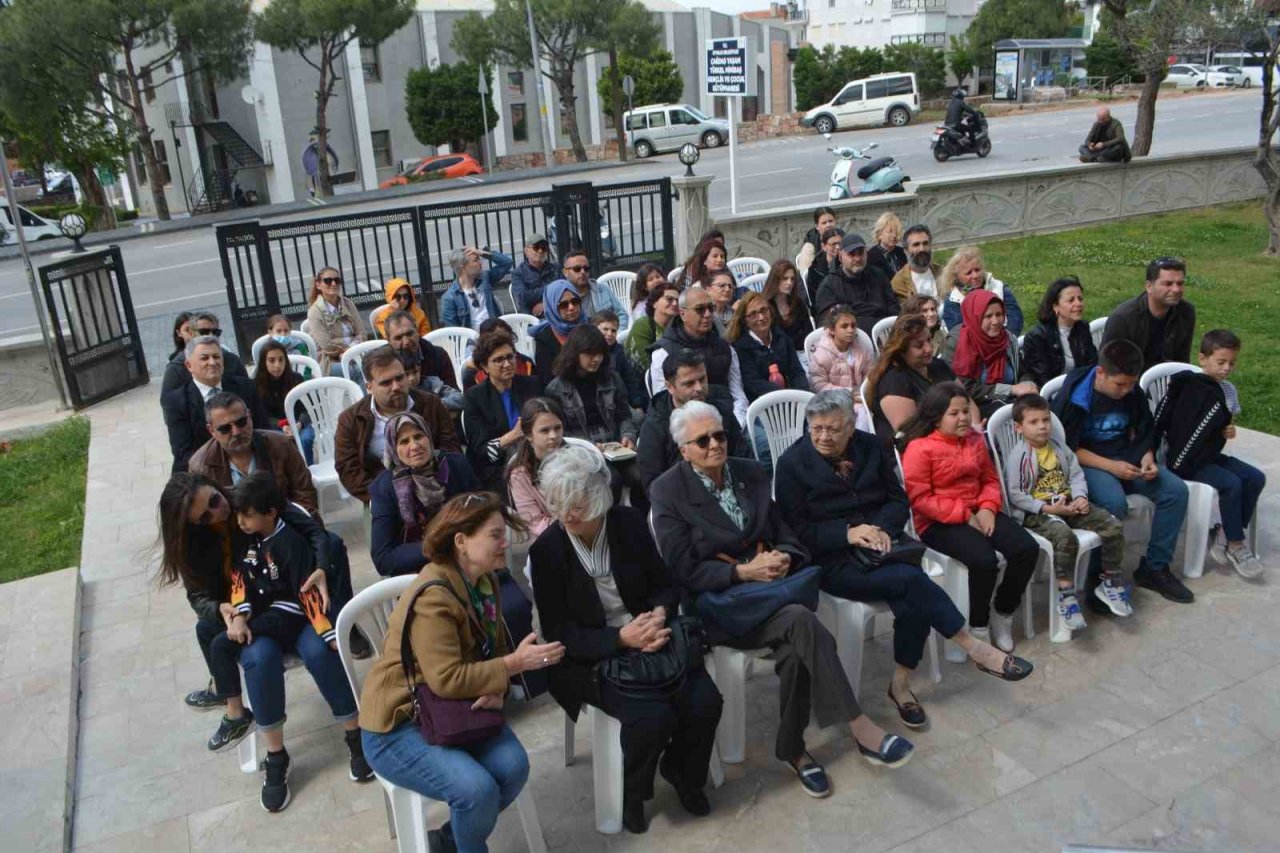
(419, 491)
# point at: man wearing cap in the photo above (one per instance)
(534, 273)
(863, 288)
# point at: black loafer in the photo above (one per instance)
(692, 798)
(633, 818)
(813, 779)
(1014, 668)
(911, 712)
(894, 752)
(360, 648)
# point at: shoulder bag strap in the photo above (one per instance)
(406, 651)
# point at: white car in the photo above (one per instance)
(1233, 74)
(33, 227)
(1188, 76)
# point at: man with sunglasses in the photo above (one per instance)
(469, 301)
(1159, 320)
(695, 329)
(183, 406)
(235, 450)
(577, 271)
(202, 324)
(855, 283)
(533, 274)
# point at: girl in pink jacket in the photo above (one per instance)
(842, 359)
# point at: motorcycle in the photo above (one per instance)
(969, 138)
(879, 175)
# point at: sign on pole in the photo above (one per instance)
(729, 74)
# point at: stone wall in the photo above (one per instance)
(985, 207)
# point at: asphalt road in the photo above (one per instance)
(168, 272)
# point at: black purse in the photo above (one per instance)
(655, 675)
(907, 551)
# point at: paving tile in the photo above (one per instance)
(170, 836)
(1207, 817)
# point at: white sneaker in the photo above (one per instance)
(1218, 546)
(1002, 631)
(1245, 562)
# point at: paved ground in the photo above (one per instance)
(171, 272)
(1160, 731)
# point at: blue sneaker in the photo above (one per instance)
(1114, 593)
(1069, 610)
(894, 752)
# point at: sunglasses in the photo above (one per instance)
(215, 501)
(475, 300)
(578, 269)
(239, 423)
(332, 279)
(214, 332)
(704, 441)
(569, 303)
(702, 309)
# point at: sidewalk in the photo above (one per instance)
(1158, 731)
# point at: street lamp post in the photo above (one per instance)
(484, 116)
(629, 89)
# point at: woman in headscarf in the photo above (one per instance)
(983, 354)
(405, 497)
(561, 314)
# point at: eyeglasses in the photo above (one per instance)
(541, 247)
(214, 332)
(705, 308)
(503, 359)
(827, 430)
(215, 501)
(759, 312)
(578, 269)
(704, 441)
(569, 303)
(239, 423)
(332, 279)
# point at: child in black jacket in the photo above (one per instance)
(1197, 418)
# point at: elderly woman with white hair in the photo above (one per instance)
(602, 589)
(718, 529)
(469, 301)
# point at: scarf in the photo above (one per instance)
(976, 351)
(484, 599)
(551, 310)
(419, 491)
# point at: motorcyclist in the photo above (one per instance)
(961, 117)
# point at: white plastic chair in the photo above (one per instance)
(377, 312)
(1200, 496)
(323, 400)
(620, 282)
(1001, 437)
(622, 334)
(811, 340)
(354, 355)
(880, 332)
(457, 342)
(1096, 328)
(302, 337)
(744, 267)
(302, 363)
(802, 270)
(848, 622)
(754, 282)
(1052, 387)
(519, 324)
(370, 610)
(675, 274)
(305, 328)
(782, 413)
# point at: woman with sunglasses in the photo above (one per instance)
(718, 527)
(399, 295)
(333, 319)
(491, 409)
(561, 314)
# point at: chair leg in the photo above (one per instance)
(247, 750)
(935, 671)
(716, 769)
(955, 580)
(568, 740)
(1252, 533)
(730, 677)
(606, 769)
(391, 813)
(1200, 499)
(851, 634)
(410, 813)
(529, 821)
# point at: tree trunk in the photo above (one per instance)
(1265, 158)
(1271, 207)
(95, 196)
(324, 186)
(143, 133)
(615, 95)
(564, 87)
(1145, 124)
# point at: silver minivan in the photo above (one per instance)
(892, 99)
(665, 127)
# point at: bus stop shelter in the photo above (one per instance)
(1022, 65)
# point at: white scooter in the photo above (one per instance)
(879, 175)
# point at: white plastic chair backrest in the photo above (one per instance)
(782, 414)
(754, 282)
(862, 393)
(457, 342)
(302, 337)
(352, 358)
(619, 281)
(622, 334)
(880, 332)
(302, 363)
(811, 340)
(674, 275)
(1052, 387)
(866, 342)
(802, 269)
(373, 318)
(1001, 438)
(323, 400)
(519, 324)
(1155, 381)
(744, 267)
(572, 441)
(1096, 328)
(370, 609)
(305, 328)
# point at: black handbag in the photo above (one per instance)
(653, 675)
(744, 607)
(907, 551)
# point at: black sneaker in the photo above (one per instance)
(275, 784)
(203, 700)
(692, 798)
(1160, 579)
(360, 648)
(360, 770)
(441, 840)
(230, 731)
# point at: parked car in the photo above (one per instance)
(873, 101)
(444, 165)
(665, 127)
(33, 227)
(1186, 76)
(1234, 75)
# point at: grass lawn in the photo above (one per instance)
(1228, 280)
(42, 501)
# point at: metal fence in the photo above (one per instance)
(93, 322)
(269, 269)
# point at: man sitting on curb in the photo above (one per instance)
(1105, 142)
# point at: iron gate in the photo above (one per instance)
(268, 268)
(92, 318)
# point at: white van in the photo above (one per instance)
(665, 127)
(883, 99)
(33, 227)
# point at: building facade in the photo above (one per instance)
(877, 23)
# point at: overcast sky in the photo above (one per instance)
(730, 7)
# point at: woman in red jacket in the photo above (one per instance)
(954, 490)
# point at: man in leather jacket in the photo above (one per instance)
(957, 112)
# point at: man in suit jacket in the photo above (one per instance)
(359, 440)
(176, 373)
(183, 406)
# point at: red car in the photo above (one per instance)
(442, 165)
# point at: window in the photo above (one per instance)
(658, 119)
(519, 123)
(876, 89)
(369, 62)
(515, 82)
(148, 87)
(442, 163)
(852, 93)
(139, 163)
(162, 160)
(899, 86)
(682, 117)
(382, 148)
(637, 122)
(122, 82)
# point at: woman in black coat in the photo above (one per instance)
(1062, 341)
(766, 356)
(491, 409)
(602, 590)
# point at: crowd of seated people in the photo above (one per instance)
(621, 457)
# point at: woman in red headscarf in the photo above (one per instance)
(984, 355)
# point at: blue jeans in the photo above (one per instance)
(477, 781)
(263, 663)
(760, 439)
(1239, 486)
(1167, 491)
(307, 435)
